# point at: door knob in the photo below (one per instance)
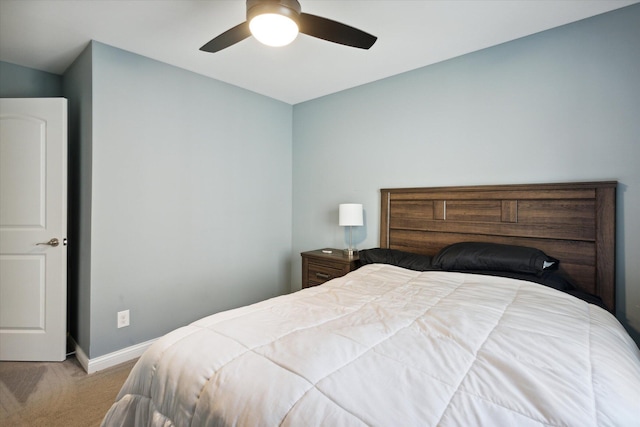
(53, 242)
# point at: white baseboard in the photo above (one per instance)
(111, 359)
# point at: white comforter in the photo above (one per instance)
(387, 346)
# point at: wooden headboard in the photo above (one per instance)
(573, 222)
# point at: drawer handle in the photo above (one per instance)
(323, 276)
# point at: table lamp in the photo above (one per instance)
(350, 215)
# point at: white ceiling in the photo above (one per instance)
(49, 34)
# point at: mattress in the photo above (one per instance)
(386, 346)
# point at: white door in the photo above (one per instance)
(33, 217)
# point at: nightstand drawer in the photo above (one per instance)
(319, 273)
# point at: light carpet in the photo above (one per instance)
(58, 393)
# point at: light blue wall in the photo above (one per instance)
(77, 84)
(559, 106)
(22, 82)
(180, 194)
(190, 201)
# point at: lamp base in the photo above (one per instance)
(350, 252)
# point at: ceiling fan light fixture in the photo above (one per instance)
(273, 29)
(278, 22)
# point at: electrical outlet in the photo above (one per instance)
(123, 318)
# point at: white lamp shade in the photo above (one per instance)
(350, 214)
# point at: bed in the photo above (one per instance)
(439, 326)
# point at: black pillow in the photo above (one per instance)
(395, 257)
(493, 256)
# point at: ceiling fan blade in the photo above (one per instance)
(228, 38)
(333, 31)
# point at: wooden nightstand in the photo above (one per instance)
(318, 266)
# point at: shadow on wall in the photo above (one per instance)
(621, 288)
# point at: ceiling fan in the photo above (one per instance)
(267, 19)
